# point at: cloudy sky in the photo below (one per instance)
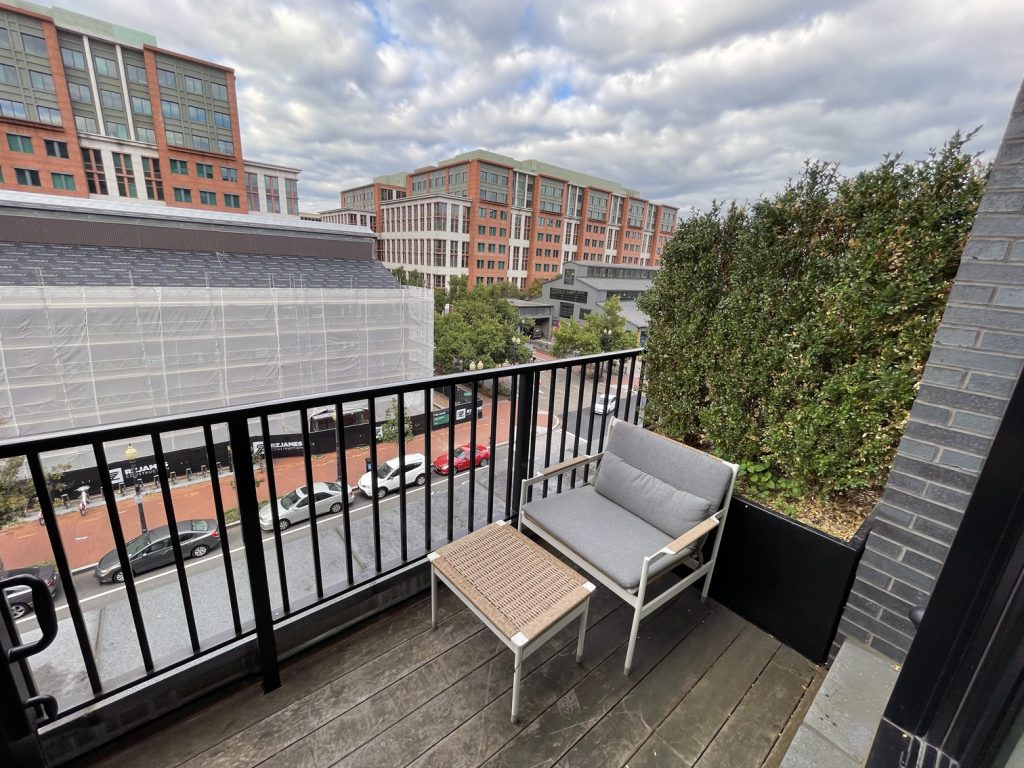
(684, 100)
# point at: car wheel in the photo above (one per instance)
(18, 610)
(200, 550)
(335, 507)
(483, 462)
(118, 577)
(421, 479)
(382, 492)
(284, 523)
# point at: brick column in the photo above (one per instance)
(976, 358)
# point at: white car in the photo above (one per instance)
(389, 478)
(294, 507)
(606, 405)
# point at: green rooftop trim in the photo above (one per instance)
(393, 179)
(88, 25)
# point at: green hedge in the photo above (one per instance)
(790, 335)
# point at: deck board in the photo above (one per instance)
(707, 689)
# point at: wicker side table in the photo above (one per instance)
(523, 593)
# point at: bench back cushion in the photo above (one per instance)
(669, 485)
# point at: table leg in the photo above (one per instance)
(517, 678)
(433, 597)
(583, 631)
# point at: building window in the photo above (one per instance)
(9, 74)
(219, 91)
(141, 106)
(72, 59)
(56, 148)
(80, 93)
(104, 66)
(41, 81)
(111, 99)
(204, 171)
(193, 85)
(183, 195)
(18, 143)
(225, 147)
(179, 166)
(291, 193)
(153, 179)
(147, 135)
(480, 247)
(125, 174)
(37, 47)
(196, 115)
(86, 124)
(252, 191)
(49, 116)
(207, 198)
(95, 179)
(27, 178)
(273, 194)
(63, 181)
(117, 130)
(228, 174)
(167, 78)
(231, 201)
(222, 120)
(170, 108)
(9, 108)
(5, 38)
(176, 138)
(201, 143)
(135, 74)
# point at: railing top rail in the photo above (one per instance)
(129, 429)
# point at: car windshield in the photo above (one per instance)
(293, 498)
(334, 487)
(384, 471)
(137, 545)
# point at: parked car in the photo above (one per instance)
(294, 507)
(389, 478)
(20, 598)
(153, 548)
(462, 454)
(606, 404)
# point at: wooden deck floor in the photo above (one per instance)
(707, 689)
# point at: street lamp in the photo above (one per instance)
(131, 454)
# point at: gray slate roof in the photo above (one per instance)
(63, 265)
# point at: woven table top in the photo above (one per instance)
(517, 585)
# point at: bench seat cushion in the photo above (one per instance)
(612, 539)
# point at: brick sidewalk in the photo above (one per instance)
(88, 537)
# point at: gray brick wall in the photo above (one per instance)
(977, 357)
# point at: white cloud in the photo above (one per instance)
(682, 100)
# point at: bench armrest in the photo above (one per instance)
(565, 466)
(691, 536)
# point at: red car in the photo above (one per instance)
(483, 455)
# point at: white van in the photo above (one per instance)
(389, 477)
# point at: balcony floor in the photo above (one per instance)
(707, 689)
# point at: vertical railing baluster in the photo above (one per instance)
(629, 389)
(523, 419)
(472, 455)
(252, 539)
(451, 461)
(639, 393)
(551, 423)
(225, 548)
(314, 534)
(371, 406)
(64, 570)
(579, 422)
(565, 419)
(428, 429)
(493, 448)
(607, 394)
(402, 506)
(510, 469)
(122, 554)
(590, 422)
(339, 427)
(268, 457)
(534, 413)
(172, 529)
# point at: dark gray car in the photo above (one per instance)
(153, 549)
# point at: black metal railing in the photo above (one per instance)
(577, 381)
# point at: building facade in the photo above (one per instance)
(495, 219)
(272, 189)
(92, 109)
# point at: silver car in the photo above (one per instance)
(294, 507)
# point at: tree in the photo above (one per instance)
(411, 277)
(16, 490)
(389, 428)
(600, 332)
(481, 327)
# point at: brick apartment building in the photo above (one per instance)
(495, 219)
(92, 109)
